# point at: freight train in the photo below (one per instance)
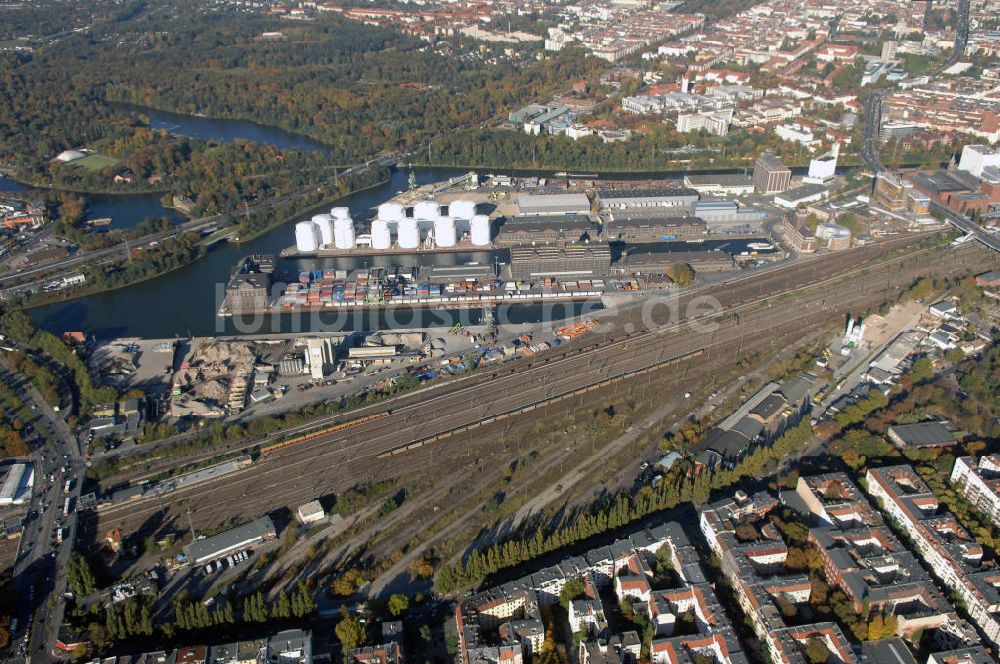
(312, 435)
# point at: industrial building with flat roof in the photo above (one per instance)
(720, 185)
(16, 486)
(807, 193)
(231, 541)
(921, 434)
(670, 197)
(640, 261)
(653, 225)
(532, 205)
(721, 216)
(551, 261)
(547, 229)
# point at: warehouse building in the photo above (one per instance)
(807, 193)
(528, 263)
(922, 434)
(650, 262)
(249, 286)
(231, 541)
(534, 205)
(521, 231)
(651, 226)
(727, 216)
(720, 185)
(16, 486)
(770, 176)
(666, 197)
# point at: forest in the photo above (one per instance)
(356, 88)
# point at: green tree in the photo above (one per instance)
(350, 632)
(816, 651)
(397, 605)
(573, 589)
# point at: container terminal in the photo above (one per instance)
(251, 289)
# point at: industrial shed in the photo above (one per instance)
(231, 541)
(532, 205)
(922, 434)
(546, 229)
(669, 197)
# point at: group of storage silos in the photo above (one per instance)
(428, 224)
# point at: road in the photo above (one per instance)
(321, 465)
(873, 102)
(39, 569)
(966, 225)
(873, 124)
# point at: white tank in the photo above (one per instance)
(324, 226)
(344, 230)
(306, 236)
(391, 211)
(444, 232)
(426, 210)
(340, 213)
(462, 209)
(381, 239)
(480, 230)
(408, 234)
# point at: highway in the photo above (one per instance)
(319, 466)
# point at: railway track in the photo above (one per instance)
(628, 327)
(314, 468)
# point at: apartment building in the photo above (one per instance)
(979, 481)
(862, 558)
(944, 545)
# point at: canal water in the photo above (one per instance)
(185, 301)
(207, 129)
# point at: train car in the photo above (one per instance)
(306, 437)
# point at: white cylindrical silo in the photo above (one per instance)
(381, 239)
(324, 226)
(391, 211)
(444, 232)
(340, 213)
(408, 234)
(344, 231)
(462, 209)
(480, 230)
(306, 237)
(429, 210)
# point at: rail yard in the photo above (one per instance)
(760, 312)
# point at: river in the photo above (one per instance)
(185, 301)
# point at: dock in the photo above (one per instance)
(463, 245)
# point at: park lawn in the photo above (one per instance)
(94, 162)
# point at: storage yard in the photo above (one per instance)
(438, 218)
